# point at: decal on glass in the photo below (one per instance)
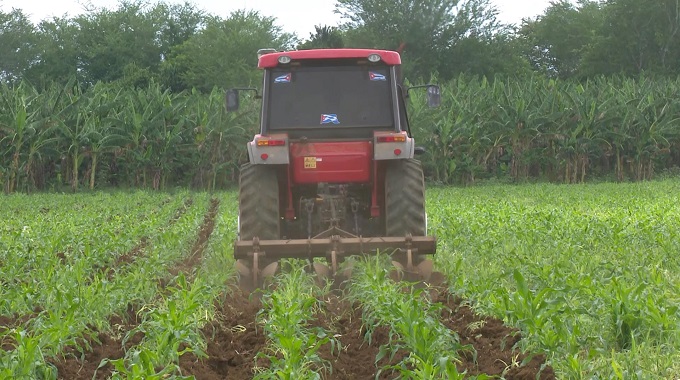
(285, 78)
(375, 76)
(329, 118)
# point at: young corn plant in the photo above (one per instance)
(139, 363)
(27, 359)
(293, 349)
(589, 273)
(172, 328)
(412, 319)
(74, 298)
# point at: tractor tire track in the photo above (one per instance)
(195, 256)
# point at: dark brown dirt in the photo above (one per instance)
(77, 365)
(7, 342)
(106, 345)
(493, 342)
(234, 340)
(18, 320)
(355, 359)
(194, 258)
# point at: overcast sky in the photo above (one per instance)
(293, 15)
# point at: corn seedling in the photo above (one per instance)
(293, 344)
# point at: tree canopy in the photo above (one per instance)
(182, 47)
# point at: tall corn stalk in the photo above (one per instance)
(19, 118)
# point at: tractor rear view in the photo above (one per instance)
(332, 172)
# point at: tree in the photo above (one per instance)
(324, 37)
(428, 30)
(422, 27)
(17, 44)
(111, 41)
(638, 36)
(224, 53)
(59, 54)
(557, 41)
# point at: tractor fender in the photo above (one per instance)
(388, 150)
(268, 155)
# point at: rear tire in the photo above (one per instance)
(405, 208)
(258, 200)
(405, 199)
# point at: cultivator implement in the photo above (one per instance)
(334, 245)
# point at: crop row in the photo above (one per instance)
(48, 241)
(413, 321)
(293, 345)
(588, 273)
(419, 345)
(73, 305)
(171, 323)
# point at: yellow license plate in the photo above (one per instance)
(310, 162)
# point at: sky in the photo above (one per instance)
(292, 15)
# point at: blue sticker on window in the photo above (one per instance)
(375, 76)
(329, 118)
(285, 78)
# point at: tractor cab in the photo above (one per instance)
(332, 172)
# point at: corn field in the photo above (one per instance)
(543, 281)
(534, 128)
(115, 136)
(567, 132)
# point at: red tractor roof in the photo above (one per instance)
(271, 59)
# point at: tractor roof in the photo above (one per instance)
(272, 59)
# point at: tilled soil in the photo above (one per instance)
(234, 339)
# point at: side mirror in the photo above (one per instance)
(232, 100)
(419, 150)
(434, 98)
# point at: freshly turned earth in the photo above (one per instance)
(234, 340)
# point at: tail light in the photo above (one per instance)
(401, 137)
(271, 142)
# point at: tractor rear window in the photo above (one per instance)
(329, 97)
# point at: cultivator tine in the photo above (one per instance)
(396, 274)
(270, 270)
(437, 279)
(323, 272)
(334, 262)
(251, 276)
(242, 268)
(245, 279)
(423, 272)
(255, 270)
(424, 269)
(332, 271)
(347, 271)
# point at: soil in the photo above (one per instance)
(193, 260)
(234, 338)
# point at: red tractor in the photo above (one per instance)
(332, 172)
